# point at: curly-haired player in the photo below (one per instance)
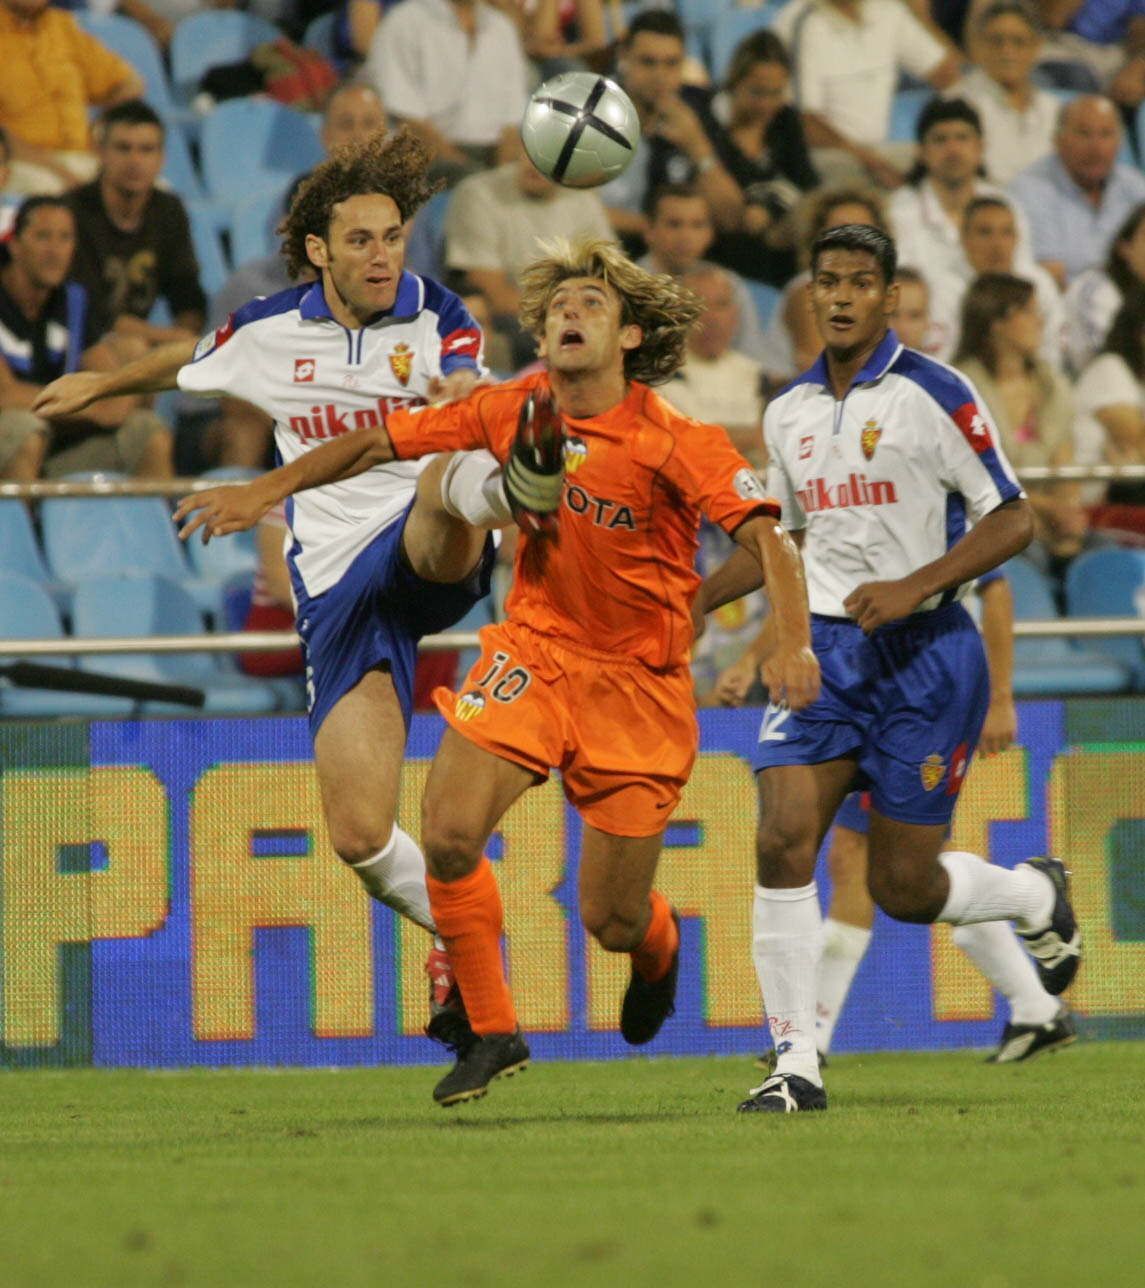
(589, 674)
(371, 571)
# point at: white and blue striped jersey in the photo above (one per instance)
(886, 479)
(288, 356)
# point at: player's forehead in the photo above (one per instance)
(373, 211)
(573, 288)
(840, 262)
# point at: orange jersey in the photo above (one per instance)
(621, 576)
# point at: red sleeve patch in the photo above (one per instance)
(463, 343)
(975, 430)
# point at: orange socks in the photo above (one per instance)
(469, 918)
(661, 941)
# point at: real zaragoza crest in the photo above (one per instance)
(401, 361)
(868, 438)
(931, 771)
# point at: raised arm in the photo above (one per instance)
(150, 374)
(222, 510)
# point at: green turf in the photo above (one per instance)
(927, 1170)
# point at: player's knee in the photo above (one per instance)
(901, 892)
(357, 839)
(611, 928)
(784, 853)
(451, 850)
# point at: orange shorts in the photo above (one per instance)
(623, 737)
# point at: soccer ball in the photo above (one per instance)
(580, 129)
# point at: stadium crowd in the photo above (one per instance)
(996, 140)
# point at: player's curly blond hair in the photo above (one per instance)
(661, 307)
(395, 165)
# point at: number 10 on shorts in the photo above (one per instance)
(508, 685)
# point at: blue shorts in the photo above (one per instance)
(855, 813)
(906, 703)
(374, 616)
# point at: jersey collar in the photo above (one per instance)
(875, 367)
(313, 306)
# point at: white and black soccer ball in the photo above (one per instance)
(580, 129)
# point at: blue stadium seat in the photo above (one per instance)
(20, 551)
(213, 267)
(250, 144)
(210, 39)
(765, 298)
(906, 108)
(27, 613)
(728, 29)
(1111, 583)
(145, 604)
(253, 222)
(1055, 664)
(225, 557)
(320, 35)
(131, 40)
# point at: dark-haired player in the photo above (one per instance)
(881, 459)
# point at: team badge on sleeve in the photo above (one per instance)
(869, 438)
(213, 339)
(931, 771)
(469, 705)
(401, 361)
(748, 486)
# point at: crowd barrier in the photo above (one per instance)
(168, 898)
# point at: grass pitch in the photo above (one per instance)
(927, 1169)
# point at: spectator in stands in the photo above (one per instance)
(926, 215)
(9, 201)
(562, 36)
(1111, 399)
(1106, 37)
(911, 318)
(1095, 296)
(494, 226)
(717, 383)
(53, 73)
(848, 56)
(47, 330)
(352, 112)
(989, 245)
(1076, 199)
(793, 342)
(1030, 402)
(1018, 119)
(133, 239)
(680, 233)
(454, 70)
(762, 147)
(678, 131)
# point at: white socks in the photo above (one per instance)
(787, 931)
(844, 947)
(395, 876)
(981, 891)
(471, 490)
(991, 946)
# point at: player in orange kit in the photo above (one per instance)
(589, 674)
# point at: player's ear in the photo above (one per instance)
(892, 300)
(316, 250)
(631, 337)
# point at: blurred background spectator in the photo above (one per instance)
(1095, 295)
(911, 318)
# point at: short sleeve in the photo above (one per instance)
(971, 460)
(918, 51)
(486, 419)
(778, 481)
(1107, 382)
(708, 471)
(102, 69)
(221, 363)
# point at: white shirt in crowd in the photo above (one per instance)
(1013, 139)
(948, 291)
(425, 67)
(929, 240)
(848, 72)
(1106, 382)
(886, 479)
(1091, 302)
(721, 391)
